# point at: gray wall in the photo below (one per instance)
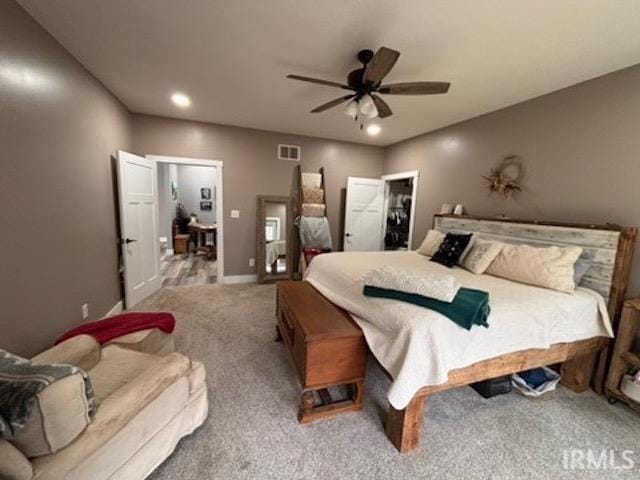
(190, 179)
(58, 130)
(251, 168)
(167, 173)
(580, 146)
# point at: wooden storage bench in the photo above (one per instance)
(327, 348)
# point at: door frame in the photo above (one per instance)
(415, 175)
(205, 162)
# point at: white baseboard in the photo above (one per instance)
(117, 308)
(231, 279)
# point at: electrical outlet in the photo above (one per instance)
(235, 213)
(252, 262)
(85, 311)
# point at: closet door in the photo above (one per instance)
(364, 214)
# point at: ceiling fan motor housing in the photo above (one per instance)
(365, 56)
(355, 77)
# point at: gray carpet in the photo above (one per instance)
(252, 432)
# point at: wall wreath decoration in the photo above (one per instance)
(505, 178)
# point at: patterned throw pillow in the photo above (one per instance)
(451, 249)
(43, 407)
(481, 255)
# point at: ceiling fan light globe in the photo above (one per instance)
(372, 114)
(351, 109)
(366, 105)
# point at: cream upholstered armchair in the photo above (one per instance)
(148, 397)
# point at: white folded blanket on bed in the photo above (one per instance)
(442, 287)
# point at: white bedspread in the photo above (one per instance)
(418, 347)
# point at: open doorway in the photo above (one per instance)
(189, 220)
(401, 190)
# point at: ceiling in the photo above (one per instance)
(231, 57)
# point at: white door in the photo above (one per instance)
(364, 214)
(138, 199)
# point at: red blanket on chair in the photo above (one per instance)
(118, 325)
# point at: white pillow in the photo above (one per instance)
(431, 243)
(549, 267)
(482, 253)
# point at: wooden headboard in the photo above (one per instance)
(607, 248)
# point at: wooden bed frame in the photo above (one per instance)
(609, 251)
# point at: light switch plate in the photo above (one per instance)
(235, 213)
(252, 262)
(85, 311)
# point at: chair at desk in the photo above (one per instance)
(180, 241)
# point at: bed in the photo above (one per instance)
(423, 352)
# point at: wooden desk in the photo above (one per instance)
(200, 230)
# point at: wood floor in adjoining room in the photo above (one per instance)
(188, 269)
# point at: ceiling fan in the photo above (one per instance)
(365, 83)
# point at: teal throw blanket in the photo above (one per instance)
(469, 307)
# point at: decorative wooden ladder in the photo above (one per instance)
(299, 263)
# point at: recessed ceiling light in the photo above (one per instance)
(373, 129)
(181, 100)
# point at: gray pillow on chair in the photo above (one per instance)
(43, 407)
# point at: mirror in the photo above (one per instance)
(274, 227)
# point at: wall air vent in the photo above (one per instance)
(289, 152)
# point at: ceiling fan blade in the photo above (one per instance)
(331, 104)
(381, 64)
(415, 88)
(383, 109)
(317, 80)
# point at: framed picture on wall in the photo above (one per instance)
(205, 193)
(205, 206)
